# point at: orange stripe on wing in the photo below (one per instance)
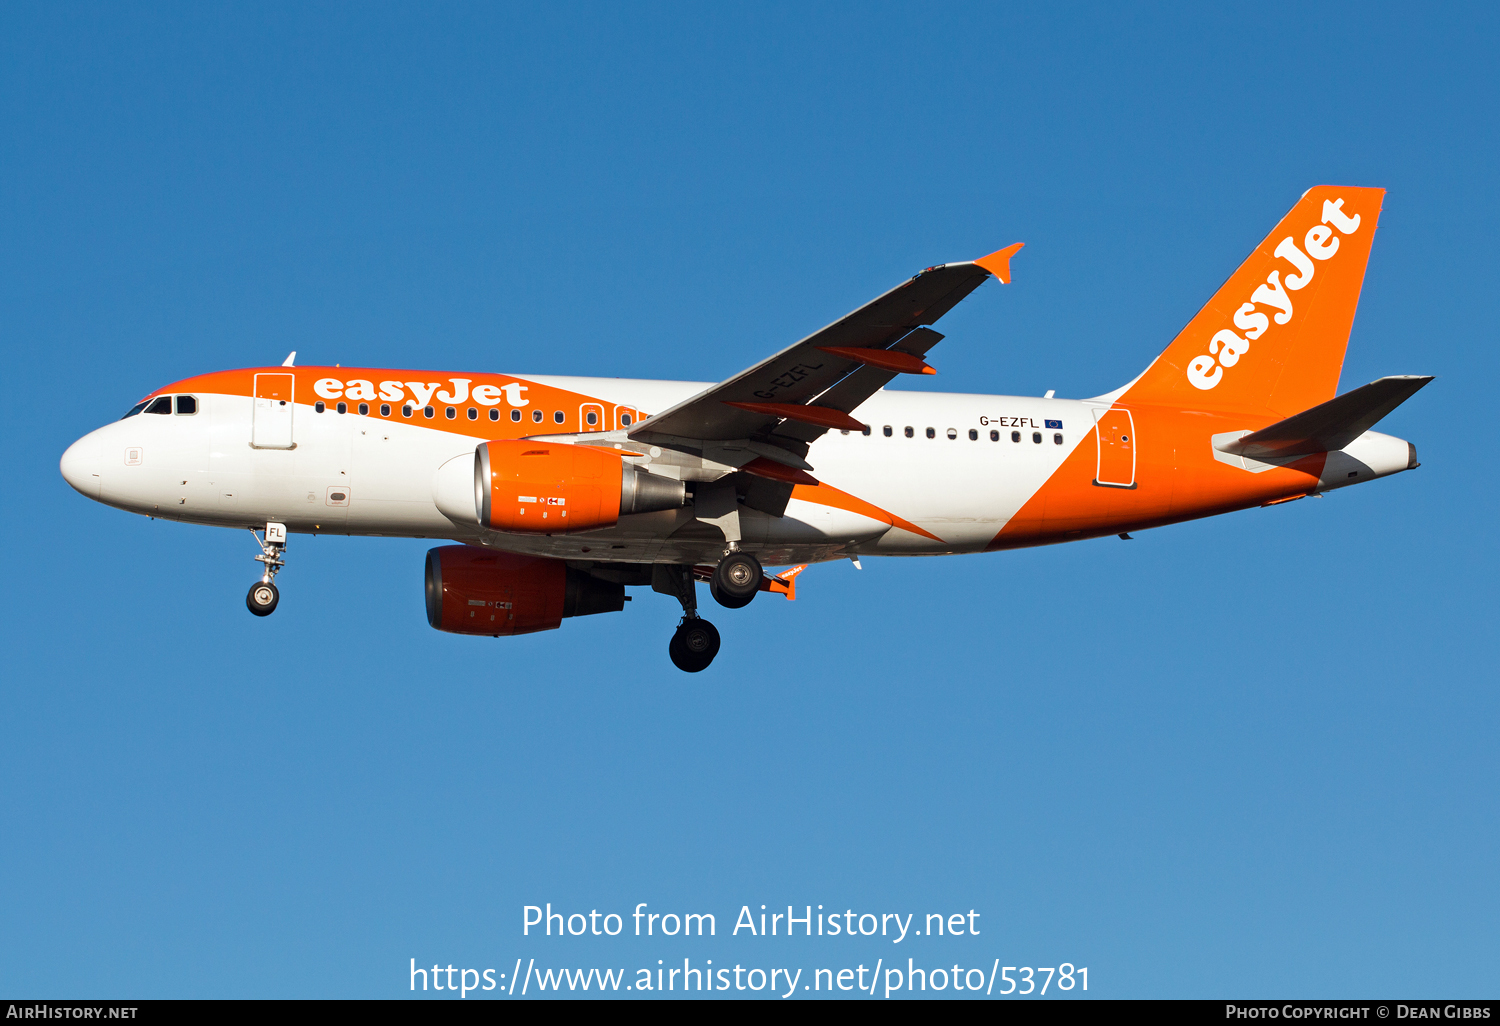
(826, 495)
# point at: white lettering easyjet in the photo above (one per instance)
(1204, 372)
(423, 392)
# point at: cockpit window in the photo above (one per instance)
(162, 404)
(137, 408)
(186, 405)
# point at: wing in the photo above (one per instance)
(783, 403)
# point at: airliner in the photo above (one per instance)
(556, 494)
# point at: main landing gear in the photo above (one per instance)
(263, 594)
(696, 641)
(733, 583)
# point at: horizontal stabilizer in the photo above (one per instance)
(1330, 426)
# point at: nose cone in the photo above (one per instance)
(83, 464)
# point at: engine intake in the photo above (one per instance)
(477, 591)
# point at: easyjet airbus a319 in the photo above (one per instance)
(561, 492)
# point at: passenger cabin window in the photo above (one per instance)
(973, 435)
(385, 409)
(865, 431)
(1057, 439)
(473, 413)
(909, 431)
(1015, 436)
(994, 436)
(494, 415)
(558, 416)
(536, 416)
(406, 410)
(515, 414)
(450, 413)
(137, 408)
(342, 407)
(592, 418)
(319, 406)
(364, 409)
(161, 404)
(1036, 436)
(428, 412)
(187, 405)
(931, 432)
(624, 420)
(886, 431)
(952, 434)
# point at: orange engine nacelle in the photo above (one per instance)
(476, 591)
(556, 488)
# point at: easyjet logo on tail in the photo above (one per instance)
(1226, 347)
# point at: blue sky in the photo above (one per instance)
(1249, 756)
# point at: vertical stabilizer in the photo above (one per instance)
(1273, 337)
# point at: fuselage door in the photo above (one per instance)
(1117, 446)
(271, 423)
(591, 417)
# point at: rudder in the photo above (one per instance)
(1273, 336)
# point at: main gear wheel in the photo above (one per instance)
(736, 580)
(694, 645)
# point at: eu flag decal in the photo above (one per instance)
(1055, 424)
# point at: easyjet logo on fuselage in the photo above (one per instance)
(1227, 346)
(364, 390)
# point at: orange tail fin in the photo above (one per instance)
(1273, 337)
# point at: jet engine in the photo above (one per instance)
(548, 488)
(477, 591)
(534, 487)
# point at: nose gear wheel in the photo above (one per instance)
(262, 598)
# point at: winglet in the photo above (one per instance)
(998, 262)
(290, 360)
(784, 583)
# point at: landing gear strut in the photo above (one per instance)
(696, 641)
(263, 594)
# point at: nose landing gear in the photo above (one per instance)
(263, 595)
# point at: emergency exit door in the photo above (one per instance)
(591, 417)
(271, 420)
(1117, 448)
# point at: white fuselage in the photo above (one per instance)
(958, 466)
(365, 475)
